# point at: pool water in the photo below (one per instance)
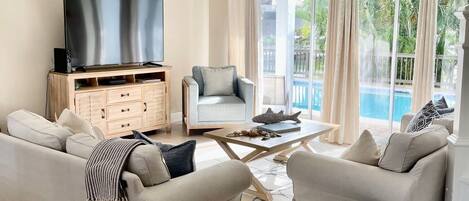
(374, 102)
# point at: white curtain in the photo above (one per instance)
(237, 34)
(422, 84)
(340, 103)
(244, 42)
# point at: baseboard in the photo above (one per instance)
(176, 117)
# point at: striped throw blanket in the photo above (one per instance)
(104, 169)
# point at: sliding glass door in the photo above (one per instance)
(388, 30)
(308, 64)
(293, 38)
(446, 50)
(376, 41)
(274, 72)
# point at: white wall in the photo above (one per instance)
(218, 55)
(30, 29)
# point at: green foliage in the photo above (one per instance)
(376, 18)
(305, 15)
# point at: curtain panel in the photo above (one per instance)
(244, 43)
(422, 82)
(340, 103)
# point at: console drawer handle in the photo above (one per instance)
(125, 125)
(125, 110)
(127, 94)
(103, 113)
(146, 107)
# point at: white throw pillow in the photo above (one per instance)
(81, 145)
(77, 124)
(364, 150)
(38, 130)
(404, 149)
(218, 81)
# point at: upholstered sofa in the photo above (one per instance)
(202, 112)
(42, 161)
(322, 178)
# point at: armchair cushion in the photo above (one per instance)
(364, 150)
(404, 150)
(218, 81)
(221, 108)
(198, 77)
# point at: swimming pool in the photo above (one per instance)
(374, 102)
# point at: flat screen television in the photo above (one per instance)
(114, 32)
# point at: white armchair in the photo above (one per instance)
(322, 178)
(202, 112)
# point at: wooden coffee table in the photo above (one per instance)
(281, 146)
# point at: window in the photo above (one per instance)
(446, 51)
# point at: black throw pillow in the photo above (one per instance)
(179, 158)
(423, 118)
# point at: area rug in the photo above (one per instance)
(272, 174)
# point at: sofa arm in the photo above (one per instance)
(405, 120)
(133, 185)
(246, 93)
(328, 178)
(190, 98)
(221, 182)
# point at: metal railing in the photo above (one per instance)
(377, 69)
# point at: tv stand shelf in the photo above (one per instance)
(140, 103)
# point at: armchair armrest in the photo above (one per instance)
(221, 182)
(246, 93)
(405, 120)
(190, 98)
(330, 178)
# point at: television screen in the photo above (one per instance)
(107, 32)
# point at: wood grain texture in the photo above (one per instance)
(115, 109)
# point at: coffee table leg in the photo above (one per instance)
(282, 157)
(260, 191)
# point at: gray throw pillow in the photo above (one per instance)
(147, 162)
(197, 75)
(441, 103)
(404, 150)
(364, 150)
(218, 81)
(423, 118)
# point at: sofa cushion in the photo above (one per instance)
(364, 150)
(179, 159)
(197, 75)
(221, 108)
(423, 118)
(81, 145)
(404, 150)
(36, 129)
(218, 81)
(147, 162)
(77, 124)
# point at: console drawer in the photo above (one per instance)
(124, 95)
(124, 110)
(124, 125)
